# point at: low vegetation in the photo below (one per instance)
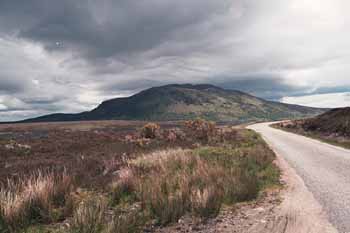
(332, 127)
(202, 169)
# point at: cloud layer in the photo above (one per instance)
(67, 56)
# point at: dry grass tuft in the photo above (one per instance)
(89, 216)
(39, 199)
(130, 222)
(124, 187)
(207, 203)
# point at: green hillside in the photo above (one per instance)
(181, 102)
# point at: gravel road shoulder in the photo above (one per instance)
(299, 211)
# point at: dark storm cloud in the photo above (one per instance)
(262, 85)
(11, 85)
(106, 28)
(271, 87)
(48, 100)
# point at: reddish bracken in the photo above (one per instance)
(201, 129)
(150, 131)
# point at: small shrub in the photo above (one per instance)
(201, 129)
(89, 216)
(228, 135)
(150, 130)
(172, 135)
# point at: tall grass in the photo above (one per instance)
(171, 183)
(3, 225)
(207, 202)
(123, 188)
(39, 199)
(130, 222)
(89, 216)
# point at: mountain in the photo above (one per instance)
(180, 102)
(334, 122)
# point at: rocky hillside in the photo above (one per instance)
(181, 102)
(335, 121)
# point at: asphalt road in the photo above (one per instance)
(325, 170)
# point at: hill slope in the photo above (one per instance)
(180, 102)
(335, 121)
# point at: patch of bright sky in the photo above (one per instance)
(334, 100)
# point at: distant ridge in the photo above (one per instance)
(187, 101)
(335, 121)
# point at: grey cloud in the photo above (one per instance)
(107, 28)
(266, 86)
(11, 85)
(274, 88)
(327, 90)
(70, 55)
(131, 85)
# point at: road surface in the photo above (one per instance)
(324, 168)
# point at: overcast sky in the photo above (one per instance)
(68, 56)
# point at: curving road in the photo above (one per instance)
(325, 170)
